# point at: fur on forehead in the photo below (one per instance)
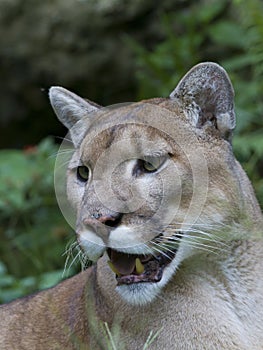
(132, 139)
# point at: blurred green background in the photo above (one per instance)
(109, 51)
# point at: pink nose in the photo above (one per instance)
(108, 220)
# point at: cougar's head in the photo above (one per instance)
(149, 181)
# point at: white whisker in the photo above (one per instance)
(70, 255)
(209, 237)
(74, 260)
(62, 165)
(182, 224)
(194, 243)
(64, 139)
(161, 250)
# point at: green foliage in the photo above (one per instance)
(33, 232)
(226, 32)
(185, 35)
(12, 287)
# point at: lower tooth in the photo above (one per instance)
(139, 266)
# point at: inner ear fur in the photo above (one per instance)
(73, 111)
(207, 96)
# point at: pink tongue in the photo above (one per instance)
(123, 263)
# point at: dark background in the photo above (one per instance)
(83, 45)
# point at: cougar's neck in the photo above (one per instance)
(105, 289)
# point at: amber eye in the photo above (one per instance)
(148, 167)
(82, 173)
(152, 164)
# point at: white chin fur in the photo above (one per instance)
(138, 293)
(91, 244)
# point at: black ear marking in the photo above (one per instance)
(208, 97)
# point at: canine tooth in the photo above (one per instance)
(139, 266)
(113, 268)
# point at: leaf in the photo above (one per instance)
(226, 33)
(49, 279)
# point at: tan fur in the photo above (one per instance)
(212, 294)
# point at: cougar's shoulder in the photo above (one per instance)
(55, 318)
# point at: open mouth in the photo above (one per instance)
(133, 268)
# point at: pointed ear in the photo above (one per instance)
(72, 111)
(208, 97)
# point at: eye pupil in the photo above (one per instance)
(148, 167)
(82, 173)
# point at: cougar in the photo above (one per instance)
(170, 221)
